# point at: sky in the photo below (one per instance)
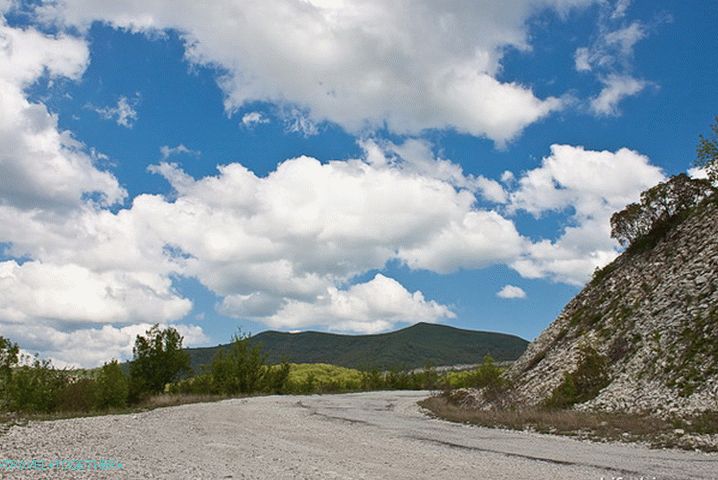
(352, 167)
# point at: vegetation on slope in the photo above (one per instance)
(409, 348)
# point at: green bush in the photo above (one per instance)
(9, 353)
(158, 359)
(77, 395)
(239, 369)
(277, 378)
(112, 387)
(35, 387)
(584, 383)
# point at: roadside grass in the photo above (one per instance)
(683, 433)
(10, 419)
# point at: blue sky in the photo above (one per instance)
(437, 188)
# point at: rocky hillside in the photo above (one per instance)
(643, 334)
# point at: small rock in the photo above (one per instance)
(679, 431)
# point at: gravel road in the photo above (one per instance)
(353, 436)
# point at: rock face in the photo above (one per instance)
(653, 317)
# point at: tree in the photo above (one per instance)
(9, 353)
(658, 207)
(239, 369)
(112, 386)
(158, 359)
(35, 388)
(707, 152)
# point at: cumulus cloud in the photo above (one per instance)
(615, 88)
(590, 186)
(406, 66)
(124, 113)
(72, 294)
(52, 208)
(415, 156)
(272, 247)
(370, 307)
(610, 58)
(41, 166)
(284, 248)
(90, 347)
(252, 119)
(511, 291)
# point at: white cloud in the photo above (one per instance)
(41, 166)
(268, 245)
(478, 240)
(71, 294)
(698, 173)
(610, 57)
(89, 347)
(166, 151)
(620, 9)
(370, 307)
(86, 267)
(365, 65)
(615, 89)
(252, 119)
(415, 156)
(511, 291)
(591, 186)
(124, 113)
(299, 121)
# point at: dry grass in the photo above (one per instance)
(654, 431)
(156, 401)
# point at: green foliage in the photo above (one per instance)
(321, 377)
(158, 359)
(196, 385)
(697, 357)
(240, 369)
(77, 395)
(408, 348)
(277, 378)
(112, 387)
(34, 388)
(9, 352)
(660, 208)
(488, 376)
(584, 383)
(707, 152)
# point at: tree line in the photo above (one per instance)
(161, 367)
(667, 203)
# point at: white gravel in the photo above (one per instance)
(379, 435)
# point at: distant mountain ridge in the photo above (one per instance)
(410, 347)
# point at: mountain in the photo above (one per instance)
(642, 336)
(411, 347)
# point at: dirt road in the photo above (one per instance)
(380, 435)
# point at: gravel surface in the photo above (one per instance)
(352, 436)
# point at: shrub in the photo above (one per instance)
(35, 387)
(158, 359)
(9, 352)
(239, 369)
(77, 396)
(277, 378)
(112, 387)
(584, 383)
